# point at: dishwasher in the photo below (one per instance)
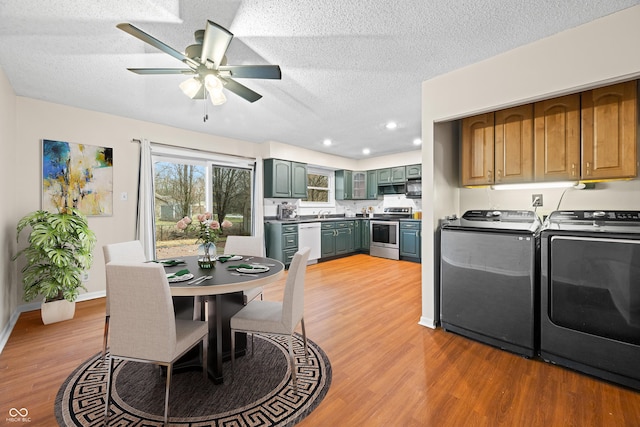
(309, 236)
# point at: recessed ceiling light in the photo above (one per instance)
(391, 125)
(417, 141)
(327, 142)
(366, 151)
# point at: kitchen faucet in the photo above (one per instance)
(320, 214)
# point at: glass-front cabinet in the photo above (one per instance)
(359, 185)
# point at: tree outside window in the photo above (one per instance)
(184, 188)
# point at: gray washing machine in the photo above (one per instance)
(488, 278)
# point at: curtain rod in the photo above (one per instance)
(197, 150)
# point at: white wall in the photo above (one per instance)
(595, 54)
(24, 122)
(37, 120)
(8, 177)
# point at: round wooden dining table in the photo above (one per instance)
(218, 298)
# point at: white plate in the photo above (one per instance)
(255, 269)
(182, 278)
(233, 258)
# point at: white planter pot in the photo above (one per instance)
(57, 311)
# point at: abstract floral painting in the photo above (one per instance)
(77, 176)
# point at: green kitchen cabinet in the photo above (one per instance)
(351, 185)
(344, 185)
(327, 239)
(410, 240)
(413, 171)
(365, 232)
(357, 235)
(345, 237)
(298, 180)
(395, 175)
(372, 185)
(285, 179)
(336, 238)
(398, 175)
(384, 176)
(359, 185)
(281, 241)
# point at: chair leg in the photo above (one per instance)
(106, 335)
(304, 337)
(108, 397)
(293, 364)
(233, 351)
(205, 357)
(166, 394)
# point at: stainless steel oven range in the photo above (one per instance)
(385, 232)
(590, 293)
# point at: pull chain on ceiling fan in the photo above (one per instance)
(208, 64)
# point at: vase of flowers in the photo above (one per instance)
(209, 230)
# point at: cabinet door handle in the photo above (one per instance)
(588, 168)
(573, 169)
(489, 175)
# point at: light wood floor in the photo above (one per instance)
(387, 370)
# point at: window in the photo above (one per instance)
(186, 185)
(320, 188)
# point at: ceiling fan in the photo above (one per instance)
(207, 62)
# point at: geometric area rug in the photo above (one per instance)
(258, 394)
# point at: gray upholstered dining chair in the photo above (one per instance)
(246, 245)
(274, 317)
(143, 323)
(119, 252)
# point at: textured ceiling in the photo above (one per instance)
(348, 66)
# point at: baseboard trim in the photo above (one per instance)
(428, 322)
(32, 306)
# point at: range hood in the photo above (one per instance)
(391, 189)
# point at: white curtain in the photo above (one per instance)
(258, 201)
(145, 224)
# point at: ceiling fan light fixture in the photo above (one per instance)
(214, 88)
(213, 84)
(191, 87)
(217, 98)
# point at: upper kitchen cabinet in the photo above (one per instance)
(395, 175)
(372, 185)
(344, 185)
(413, 171)
(351, 185)
(609, 132)
(285, 179)
(477, 150)
(557, 139)
(359, 186)
(298, 180)
(514, 145)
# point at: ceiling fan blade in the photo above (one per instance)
(252, 71)
(241, 90)
(215, 44)
(138, 33)
(162, 70)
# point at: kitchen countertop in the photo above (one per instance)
(305, 219)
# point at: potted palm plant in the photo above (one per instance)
(59, 252)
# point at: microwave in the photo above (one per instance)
(414, 188)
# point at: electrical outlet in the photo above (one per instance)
(536, 200)
(85, 276)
